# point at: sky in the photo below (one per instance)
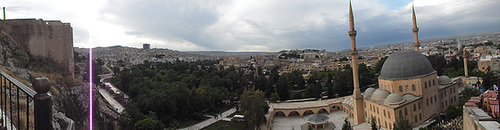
(257, 25)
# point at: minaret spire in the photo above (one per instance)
(415, 29)
(358, 98)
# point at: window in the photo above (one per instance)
(377, 110)
(400, 114)
(431, 100)
(425, 85)
(414, 107)
(419, 106)
(406, 111)
(415, 118)
(389, 115)
(371, 107)
(427, 101)
(433, 82)
(420, 116)
(386, 124)
(413, 88)
(407, 89)
(435, 99)
(400, 88)
(384, 113)
(430, 84)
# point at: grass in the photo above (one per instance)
(226, 125)
(190, 122)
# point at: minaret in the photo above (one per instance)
(358, 98)
(466, 55)
(415, 29)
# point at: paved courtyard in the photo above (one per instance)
(295, 122)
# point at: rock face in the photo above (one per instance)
(15, 57)
(52, 40)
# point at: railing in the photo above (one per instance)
(22, 107)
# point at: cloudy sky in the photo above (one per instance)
(257, 25)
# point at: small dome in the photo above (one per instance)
(368, 92)
(409, 97)
(394, 99)
(317, 119)
(444, 80)
(379, 95)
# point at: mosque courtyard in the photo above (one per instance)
(297, 122)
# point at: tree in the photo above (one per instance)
(253, 104)
(373, 124)
(451, 113)
(347, 125)
(148, 124)
(282, 88)
(402, 124)
(274, 97)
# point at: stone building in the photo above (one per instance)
(52, 40)
(409, 88)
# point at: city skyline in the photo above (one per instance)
(258, 25)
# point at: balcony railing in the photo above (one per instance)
(22, 107)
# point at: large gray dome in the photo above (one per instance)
(406, 64)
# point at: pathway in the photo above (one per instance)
(115, 104)
(210, 121)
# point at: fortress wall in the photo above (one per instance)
(52, 40)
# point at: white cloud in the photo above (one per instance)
(244, 25)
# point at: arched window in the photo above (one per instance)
(413, 87)
(407, 89)
(430, 84)
(400, 114)
(406, 111)
(400, 88)
(425, 85)
(433, 82)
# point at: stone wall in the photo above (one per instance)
(52, 40)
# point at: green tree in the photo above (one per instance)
(347, 125)
(148, 124)
(451, 113)
(282, 88)
(253, 104)
(274, 97)
(489, 79)
(378, 66)
(402, 124)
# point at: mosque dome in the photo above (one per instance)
(444, 80)
(406, 64)
(368, 92)
(394, 99)
(379, 95)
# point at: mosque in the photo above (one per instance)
(409, 88)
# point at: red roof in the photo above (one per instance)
(475, 98)
(494, 110)
(470, 104)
